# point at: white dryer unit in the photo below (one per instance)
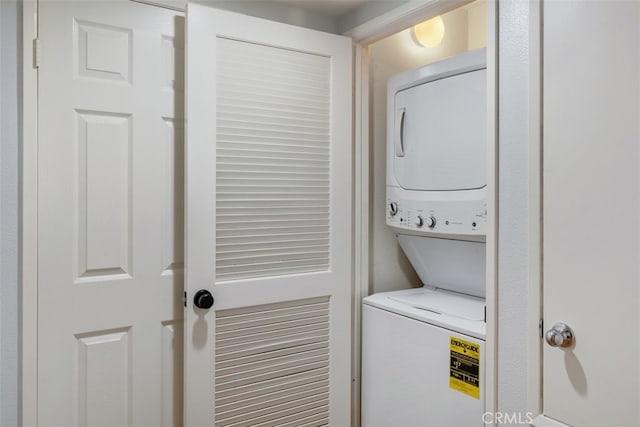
(423, 349)
(436, 148)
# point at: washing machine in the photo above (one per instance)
(423, 349)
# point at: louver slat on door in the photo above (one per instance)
(272, 364)
(272, 161)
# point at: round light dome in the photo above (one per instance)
(429, 33)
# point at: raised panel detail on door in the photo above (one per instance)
(104, 378)
(172, 63)
(103, 51)
(172, 372)
(171, 154)
(104, 195)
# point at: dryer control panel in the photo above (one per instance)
(408, 213)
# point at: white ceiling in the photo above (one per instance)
(326, 7)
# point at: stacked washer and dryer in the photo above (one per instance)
(423, 349)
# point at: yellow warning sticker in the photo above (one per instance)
(464, 368)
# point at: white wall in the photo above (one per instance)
(477, 31)
(390, 269)
(513, 53)
(367, 12)
(289, 14)
(279, 12)
(10, 17)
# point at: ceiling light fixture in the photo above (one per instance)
(429, 33)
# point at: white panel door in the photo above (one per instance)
(268, 208)
(591, 194)
(110, 221)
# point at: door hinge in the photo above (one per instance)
(184, 299)
(36, 53)
(541, 328)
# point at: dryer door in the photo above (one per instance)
(439, 130)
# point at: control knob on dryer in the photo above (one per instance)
(431, 222)
(419, 221)
(393, 208)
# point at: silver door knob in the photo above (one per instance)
(560, 335)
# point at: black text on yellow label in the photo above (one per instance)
(464, 367)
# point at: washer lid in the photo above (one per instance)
(443, 302)
(454, 265)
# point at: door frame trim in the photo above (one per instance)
(493, 185)
(360, 218)
(534, 302)
(28, 412)
(393, 21)
(400, 18)
(179, 5)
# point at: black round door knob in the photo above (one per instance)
(203, 299)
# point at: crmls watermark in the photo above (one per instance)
(507, 418)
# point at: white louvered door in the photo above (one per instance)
(269, 213)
